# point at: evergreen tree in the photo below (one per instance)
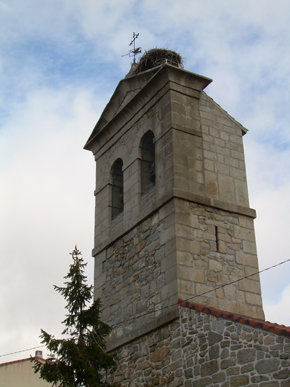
(79, 359)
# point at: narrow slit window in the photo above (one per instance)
(216, 238)
(147, 162)
(117, 188)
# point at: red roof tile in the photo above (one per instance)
(253, 322)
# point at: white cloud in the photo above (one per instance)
(280, 309)
(47, 188)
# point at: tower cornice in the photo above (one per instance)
(131, 92)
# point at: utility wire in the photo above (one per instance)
(145, 313)
(168, 306)
(240, 279)
(23, 350)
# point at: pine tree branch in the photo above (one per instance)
(79, 359)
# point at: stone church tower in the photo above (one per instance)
(172, 216)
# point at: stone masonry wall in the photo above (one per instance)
(223, 154)
(124, 143)
(213, 248)
(197, 146)
(182, 250)
(132, 276)
(199, 349)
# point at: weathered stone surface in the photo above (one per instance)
(246, 356)
(194, 229)
(269, 340)
(283, 374)
(267, 365)
(259, 378)
(219, 377)
(241, 380)
(215, 257)
(209, 368)
(181, 353)
(188, 373)
(214, 338)
(159, 354)
(247, 368)
(226, 363)
(202, 382)
(187, 235)
(140, 246)
(214, 352)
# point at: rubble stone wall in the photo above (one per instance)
(132, 275)
(199, 349)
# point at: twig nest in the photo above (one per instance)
(156, 57)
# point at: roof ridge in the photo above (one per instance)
(21, 360)
(278, 329)
(224, 111)
(14, 361)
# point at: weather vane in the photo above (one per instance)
(135, 50)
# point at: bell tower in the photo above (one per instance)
(172, 216)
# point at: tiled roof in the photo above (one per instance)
(253, 322)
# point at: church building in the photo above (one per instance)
(174, 246)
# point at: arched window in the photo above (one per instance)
(117, 188)
(147, 162)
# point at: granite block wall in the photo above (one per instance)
(135, 275)
(214, 248)
(199, 349)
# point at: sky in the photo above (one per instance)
(60, 62)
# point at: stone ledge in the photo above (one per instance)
(181, 195)
(143, 329)
(160, 203)
(184, 129)
(214, 203)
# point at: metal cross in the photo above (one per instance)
(135, 50)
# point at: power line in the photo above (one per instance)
(23, 350)
(240, 279)
(168, 306)
(202, 294)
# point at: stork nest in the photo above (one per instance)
(156, 57)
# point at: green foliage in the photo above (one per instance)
(79, 359)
